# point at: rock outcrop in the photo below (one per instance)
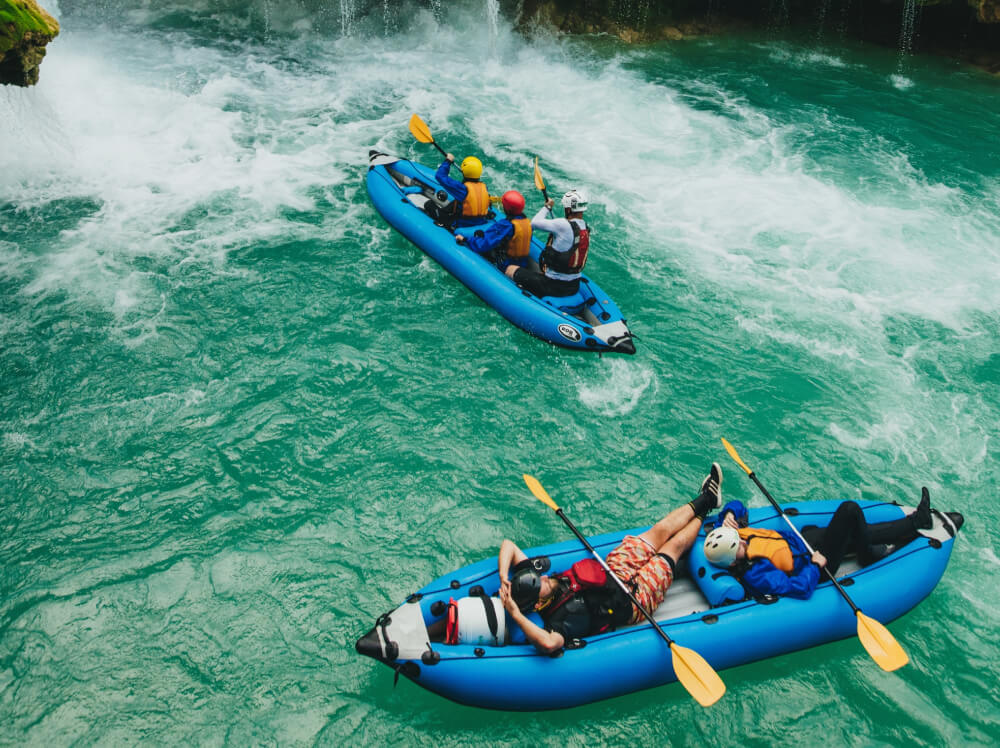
(988, 11)
(25, 29)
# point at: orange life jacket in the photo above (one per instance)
(519, 244)
(477, 202)
(770, 545)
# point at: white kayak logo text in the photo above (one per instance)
(569, 332)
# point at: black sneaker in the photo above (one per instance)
(712, 487)
(922, 517)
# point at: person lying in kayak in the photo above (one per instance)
(776, 562)
(471, 204)
(579, 602)
(565, 252)
(505, 242)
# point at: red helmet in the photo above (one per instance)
(513, 202)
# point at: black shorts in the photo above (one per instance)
(542, 285)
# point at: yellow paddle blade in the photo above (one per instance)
(539, 182)
(732, 453)
(881, 645)
(540, 494)
(420, 130)
(696, 675)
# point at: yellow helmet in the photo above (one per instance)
(472, 168)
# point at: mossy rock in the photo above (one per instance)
(25, 29)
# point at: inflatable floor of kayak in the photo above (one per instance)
(518, 677)
(588, 320)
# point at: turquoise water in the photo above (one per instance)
(241, 417)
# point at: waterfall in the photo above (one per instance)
(493, 20)
(348, 13)
(906, 33)
(824, 7)
(777, 15)
(389, 16)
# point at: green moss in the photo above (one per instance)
(21, 17)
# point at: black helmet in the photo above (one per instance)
(526, 586)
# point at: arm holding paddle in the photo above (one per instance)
(454, 188)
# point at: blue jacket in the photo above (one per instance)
(493, 236)
(764, 578)
(456, 189)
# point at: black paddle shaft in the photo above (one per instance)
(625, 589)
(829, 574)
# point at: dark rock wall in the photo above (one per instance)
(967, 29)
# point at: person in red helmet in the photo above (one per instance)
(506, 242)
(565, 253)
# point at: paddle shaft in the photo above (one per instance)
(776, 505)
(625, 589)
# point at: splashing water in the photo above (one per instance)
(240, 416)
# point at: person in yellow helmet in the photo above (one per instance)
(472, 200)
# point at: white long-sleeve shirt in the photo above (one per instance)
(562, 234)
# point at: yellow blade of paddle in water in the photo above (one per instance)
(696, 675)
(881, 645)
(420, 129)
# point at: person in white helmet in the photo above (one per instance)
(773, 562)
(565, 253)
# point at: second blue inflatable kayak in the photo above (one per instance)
(700, 612)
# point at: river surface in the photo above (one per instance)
(240, 416)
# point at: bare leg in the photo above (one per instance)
(666, 528)
(681, 542)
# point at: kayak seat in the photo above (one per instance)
(717, 585)
(577, 305)
(570, 304)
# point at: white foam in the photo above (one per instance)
(192, 152)
(901, 81)
(618, 389)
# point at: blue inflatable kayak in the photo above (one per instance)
(735, 631)
(588, 320)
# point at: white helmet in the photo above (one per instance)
(575, 201)
(721, 546)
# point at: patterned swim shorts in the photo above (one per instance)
(636, 560)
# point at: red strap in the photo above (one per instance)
(451, 628)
